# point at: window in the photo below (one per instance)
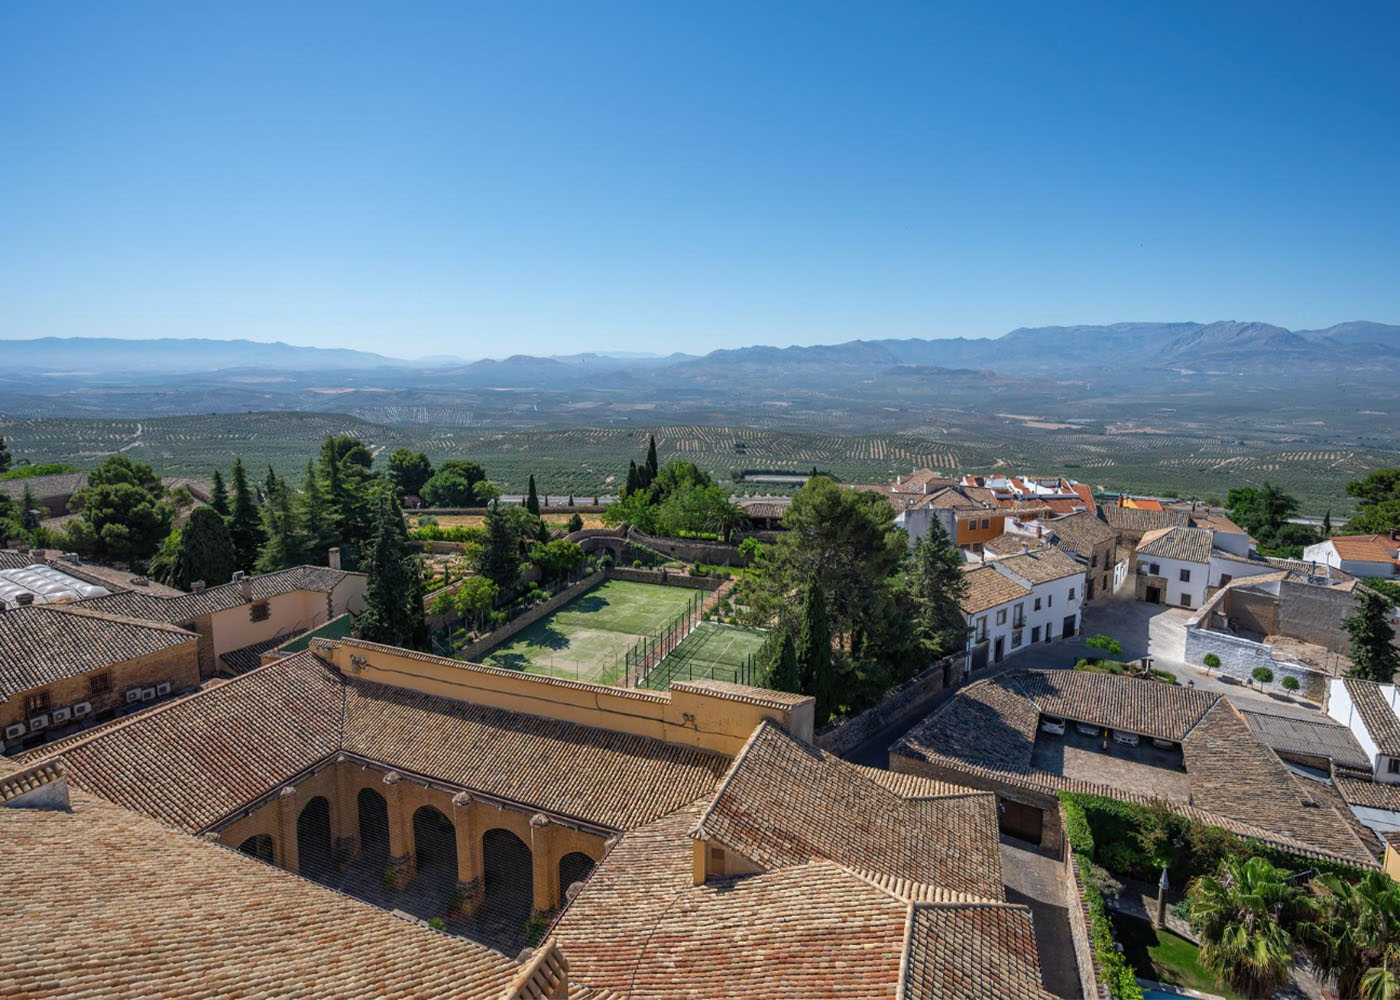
(36, 704)
(1155, 569)
(1185, 600)
(1001, 616)
(1186, 576)
(982, 629)
(986, 523)
(259, 612)
(1225, 578)
(1392, 766)
(1094, 561)
(1049, 600)
(99, 684)
(1035, 634)
(1019, 617)
(1037, 603)
(1071, 593)
(1015, 638)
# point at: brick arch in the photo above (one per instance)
(373, 815)
(507, 873)
(315, 853)
(434, 844)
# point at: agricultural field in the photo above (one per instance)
(586, 639)
(1155, 453)
(711, 652)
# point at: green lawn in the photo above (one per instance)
(586, 638)
(711, 652)
(1165, 957)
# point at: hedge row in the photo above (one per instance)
(1114, 970)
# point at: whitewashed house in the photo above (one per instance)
(1359, 555)
(1018, 602)
(1369, 710)
(1173, 566)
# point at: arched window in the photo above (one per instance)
(573, 867)
(258, 846)
(374, 824)
(314, 855)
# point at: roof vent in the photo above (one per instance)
(24, 598)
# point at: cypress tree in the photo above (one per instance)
(532, 501)
(29, 508)
(633, 480)
(1372, 651)
(206, 550)
(394, 590)
(282, 527)
(1327, 523)
(652, 467)
(785, 675)
(244, 525)
(218, 496)
(814, 651)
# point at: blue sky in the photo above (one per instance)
(482, 179)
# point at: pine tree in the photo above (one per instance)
(244, 525)
(270, 483)
(936, 585)
(1372, 649)
(218, 496)
(532, 501)
(4, 455)
(394, 590)
(205, 552)
(282, 528)
(652, 467)
(814, 651)
(499, 557)
(313, 510)
(785, 675)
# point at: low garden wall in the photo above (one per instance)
(1239, 657)
(902, 703)
(493, 639)
(689, 549)
(666, 578)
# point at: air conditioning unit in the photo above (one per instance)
(61, 715)
(81, 709)
(148, 694)
(133, 694)
(14, 732)
(38, 722)
(163, 688)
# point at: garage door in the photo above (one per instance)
(1020, 820)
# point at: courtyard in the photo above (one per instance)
(587, 638)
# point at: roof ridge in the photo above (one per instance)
(18, 783)
(77, 608)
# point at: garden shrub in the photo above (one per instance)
(1114, 970)
(1290, 683)
(1211, 660)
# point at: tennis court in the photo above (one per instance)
(711, 652)
(586, 639)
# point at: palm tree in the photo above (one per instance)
(1382, 982)
(726, 519)
(1356, 934)
(1239, 913)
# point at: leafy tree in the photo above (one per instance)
(1264, 513)
(161, 568)
(1378, 503)
(394, 590)
(1372, 649)
(785, 674)
(1263, 675)
(499, 557)
(473, 600)
(409, 470)
(532, 501)
(936, 586)
(575, 524)
(123, 517)
(5, 459)
(218, 495)
(350, 450)
(1290, 683)
(557, 559)
(814, 651)
(205, 551)
(1108, 644)
(282, 528)
(447, 489)
(1241, 913)
(244, 523)
(486, 492)
(469, 471)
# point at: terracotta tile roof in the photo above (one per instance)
(1215, 522)
(987, 731)
(986, 588)
(240, 661)
(1358, 788)
(1164, 711)
(968, 952)
(58, 484)
(816, 929)
(922, 478)
(1081, 533)
(11, 559)
(785, 802)
(1186, 544)
(162, 913)
(45, 643)
(1376, 715)
(1009, 543)
(597, 775)
(195, 761)
(1041, 566)
(1365, 548)
(1132, 519)
(954, 498)
(764, 509)
(187, 607)
(22, 781)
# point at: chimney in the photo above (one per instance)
(1025, 548)
(24, 599)
(333, 557)
(197, 587)
(1039, 530)
(245, 588)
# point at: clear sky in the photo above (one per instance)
(482, 179)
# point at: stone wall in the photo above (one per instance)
(903, 703)
(1239, 657)
(491, 640)
(668, 579)
(1253, 611)
(689, 549)
(1314, 614)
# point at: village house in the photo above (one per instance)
(1094, 546)
(1131, 523)
(1173, 567)
(659, 840)
(1359, 555)
(1019, 601)
(63, 666)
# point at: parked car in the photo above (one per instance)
(1053, 726)
(1163, 744)
(1087, 729)
(1127, 739)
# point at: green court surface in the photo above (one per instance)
(587, 638)
(711, 652)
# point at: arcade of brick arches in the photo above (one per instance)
(478, 848)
